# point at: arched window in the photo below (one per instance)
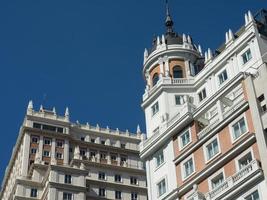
(177, 72)
(155, 79)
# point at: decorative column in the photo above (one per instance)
(77, 152)
(25, 156)
(166, 66)
(108, 158)
(220, 109)
(41, 144)
(53, 149)
(66, 152)
(119, 160)
(160, 61)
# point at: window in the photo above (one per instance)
(33, 192)
(67, 196)
(155, 79)
(202, 95)
(123, 145)
(216, 181)
(161, 187)
(59, 155)
(47, 141)
(133, 180)
(117, 194)
(82, 152)
(185, 138)
(134, 196)
(245, 160)
(102, 176)
(113, 157)
(246, 56)
(82, 138)
(239, 128)
(59, 143)
(35, 139)
(212, 149)
(33, 150)
(103, 155)
(59, 129)
(92, 153)
(49, 128)
(117, 178)
(179, 99)
(102, 192)
(159, 158)
(103, 142)
(92, 140)
(37, 125)
(261, 100)
(188, 167)
(123, 159)
(46, 154)
(223, 76)
(155, 108)
(253, 196)
(67, 179)
(177, 72)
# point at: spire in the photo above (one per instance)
(168, 21)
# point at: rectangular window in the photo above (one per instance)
(159, 158)
(46, 154)
(103, 142)
(245, 160)
(67, 179)
(188, 167)
(222, 77)
(33, 150)
(202, 95)
(117, 194)
(246, 56)
(253, 196)
(123, 145)
(37, 125)
(216, 181)
(212, 149)
(102, 176)
(59, 129)
(59, 155)
(33, 192)
(67, 196)
(113, 157)
(102, 192)
(185, 138)
(179, 99)
(239, 128)
(35, 139)
(155, 108)
(60, 143)
(161, 187)
(134, 196)
(92, 153)
(133, 180)
(92, 140)
(82, 152)
(47, 141)
(117, 178)
(49, 128)
(103, 155)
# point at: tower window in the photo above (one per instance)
(155, 108)
(202, 95)
(246, 56)
(155, 79)
(33, 192)
(177, 72)
(223, 77)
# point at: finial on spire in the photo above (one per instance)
(30, 105)
(168, 21)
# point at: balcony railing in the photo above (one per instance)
(183, 81)
(233, 180)
(208, 128)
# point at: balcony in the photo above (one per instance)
(233, 181)
(264, 119)
(169, 81)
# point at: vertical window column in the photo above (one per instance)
(160, 61)
(41, 144)
(220, 109)
(119, 159)
(108, 158)
(97, 156)
(26, 152)
(66, 152)
(53, 149)
(166, 66)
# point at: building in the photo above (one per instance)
(206, 115)
(55, 159)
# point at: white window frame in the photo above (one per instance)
(221, 171)
(205, 148)
(251, 191)
(200, 90)
(183, 170)
(182, 99)
(230, 126)
(48, 155)
(67, 192)
(219, 73)
(243, 53)
(244, 153)
(105, 176)
(61, 155)
(48, 139)
(181, 146)
(152, 109)
(105, 192)
(155, 158)
(166, 186)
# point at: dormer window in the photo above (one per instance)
(155, 79)
(177, 72)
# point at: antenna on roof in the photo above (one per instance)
(168, 21)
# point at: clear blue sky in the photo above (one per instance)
(88, 54)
